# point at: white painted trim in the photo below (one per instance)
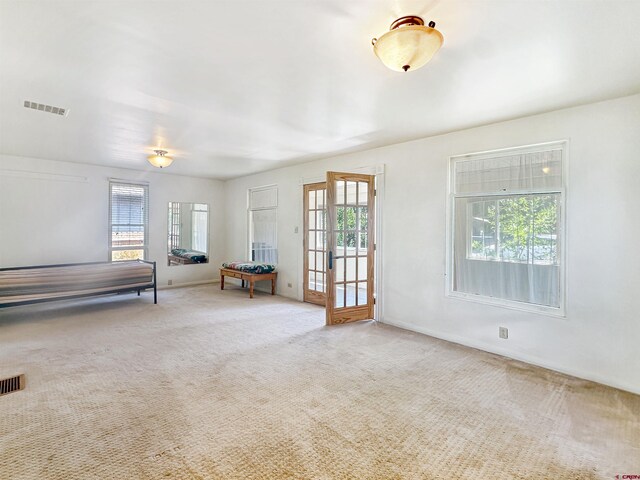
(530, 359)
(448, 235)
(513, 305)
(377, 169)
(379, 274)
(300, 214)
(130, 182)
(564, 271)
(314, 179)
(508, 151)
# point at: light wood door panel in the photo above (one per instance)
(315, 243)
(350, 247)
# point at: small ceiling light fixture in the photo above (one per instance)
(408, 45)
(160, 159)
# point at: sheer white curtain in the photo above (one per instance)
(200, 227)
(506, 231)
(263, 225)
(264, 239)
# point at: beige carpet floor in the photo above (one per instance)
(212, 385)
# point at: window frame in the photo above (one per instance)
(145, 225)
(563, 145)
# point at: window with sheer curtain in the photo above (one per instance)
(263, 226)
(507, 229)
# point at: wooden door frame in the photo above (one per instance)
(379, 171)
(310, 296)
(346, 314)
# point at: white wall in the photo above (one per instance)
(597, 340)
(58, 212)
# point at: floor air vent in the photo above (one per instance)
(13, 384)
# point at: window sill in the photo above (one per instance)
(510, 304)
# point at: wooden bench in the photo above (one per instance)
(248, 277)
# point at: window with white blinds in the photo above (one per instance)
(507, 228)
(263, 226)
(128, 221)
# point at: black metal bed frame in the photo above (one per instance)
(81, 295)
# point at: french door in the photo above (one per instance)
(315, 243)
(350, 207)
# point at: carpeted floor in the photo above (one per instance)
(212, 385)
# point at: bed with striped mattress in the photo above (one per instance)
(35, 284)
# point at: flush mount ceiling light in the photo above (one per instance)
(160, 159)
(408, 45)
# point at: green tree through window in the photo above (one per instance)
(519, 228)
(347, 225)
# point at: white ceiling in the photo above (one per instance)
(235, 87)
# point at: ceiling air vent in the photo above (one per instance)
(46, 108)
(13, 384)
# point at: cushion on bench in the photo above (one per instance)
(249, 267)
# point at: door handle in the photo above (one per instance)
(330, 260)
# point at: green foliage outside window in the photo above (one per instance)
(348, 227)
(517, 229)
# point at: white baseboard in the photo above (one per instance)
(585, 375)
(187, 284)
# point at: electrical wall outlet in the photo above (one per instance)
(503, 332)
(169, 282)
(290, 285)
(295, 230)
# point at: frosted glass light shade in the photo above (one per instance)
(408, 46)
(160, 159)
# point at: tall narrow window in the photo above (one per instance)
(507, 228)
(263, 226)
(128, 221)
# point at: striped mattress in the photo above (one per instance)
(47, 282)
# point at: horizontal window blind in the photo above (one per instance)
(264, 197)
(128, 221)
(539, 171)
